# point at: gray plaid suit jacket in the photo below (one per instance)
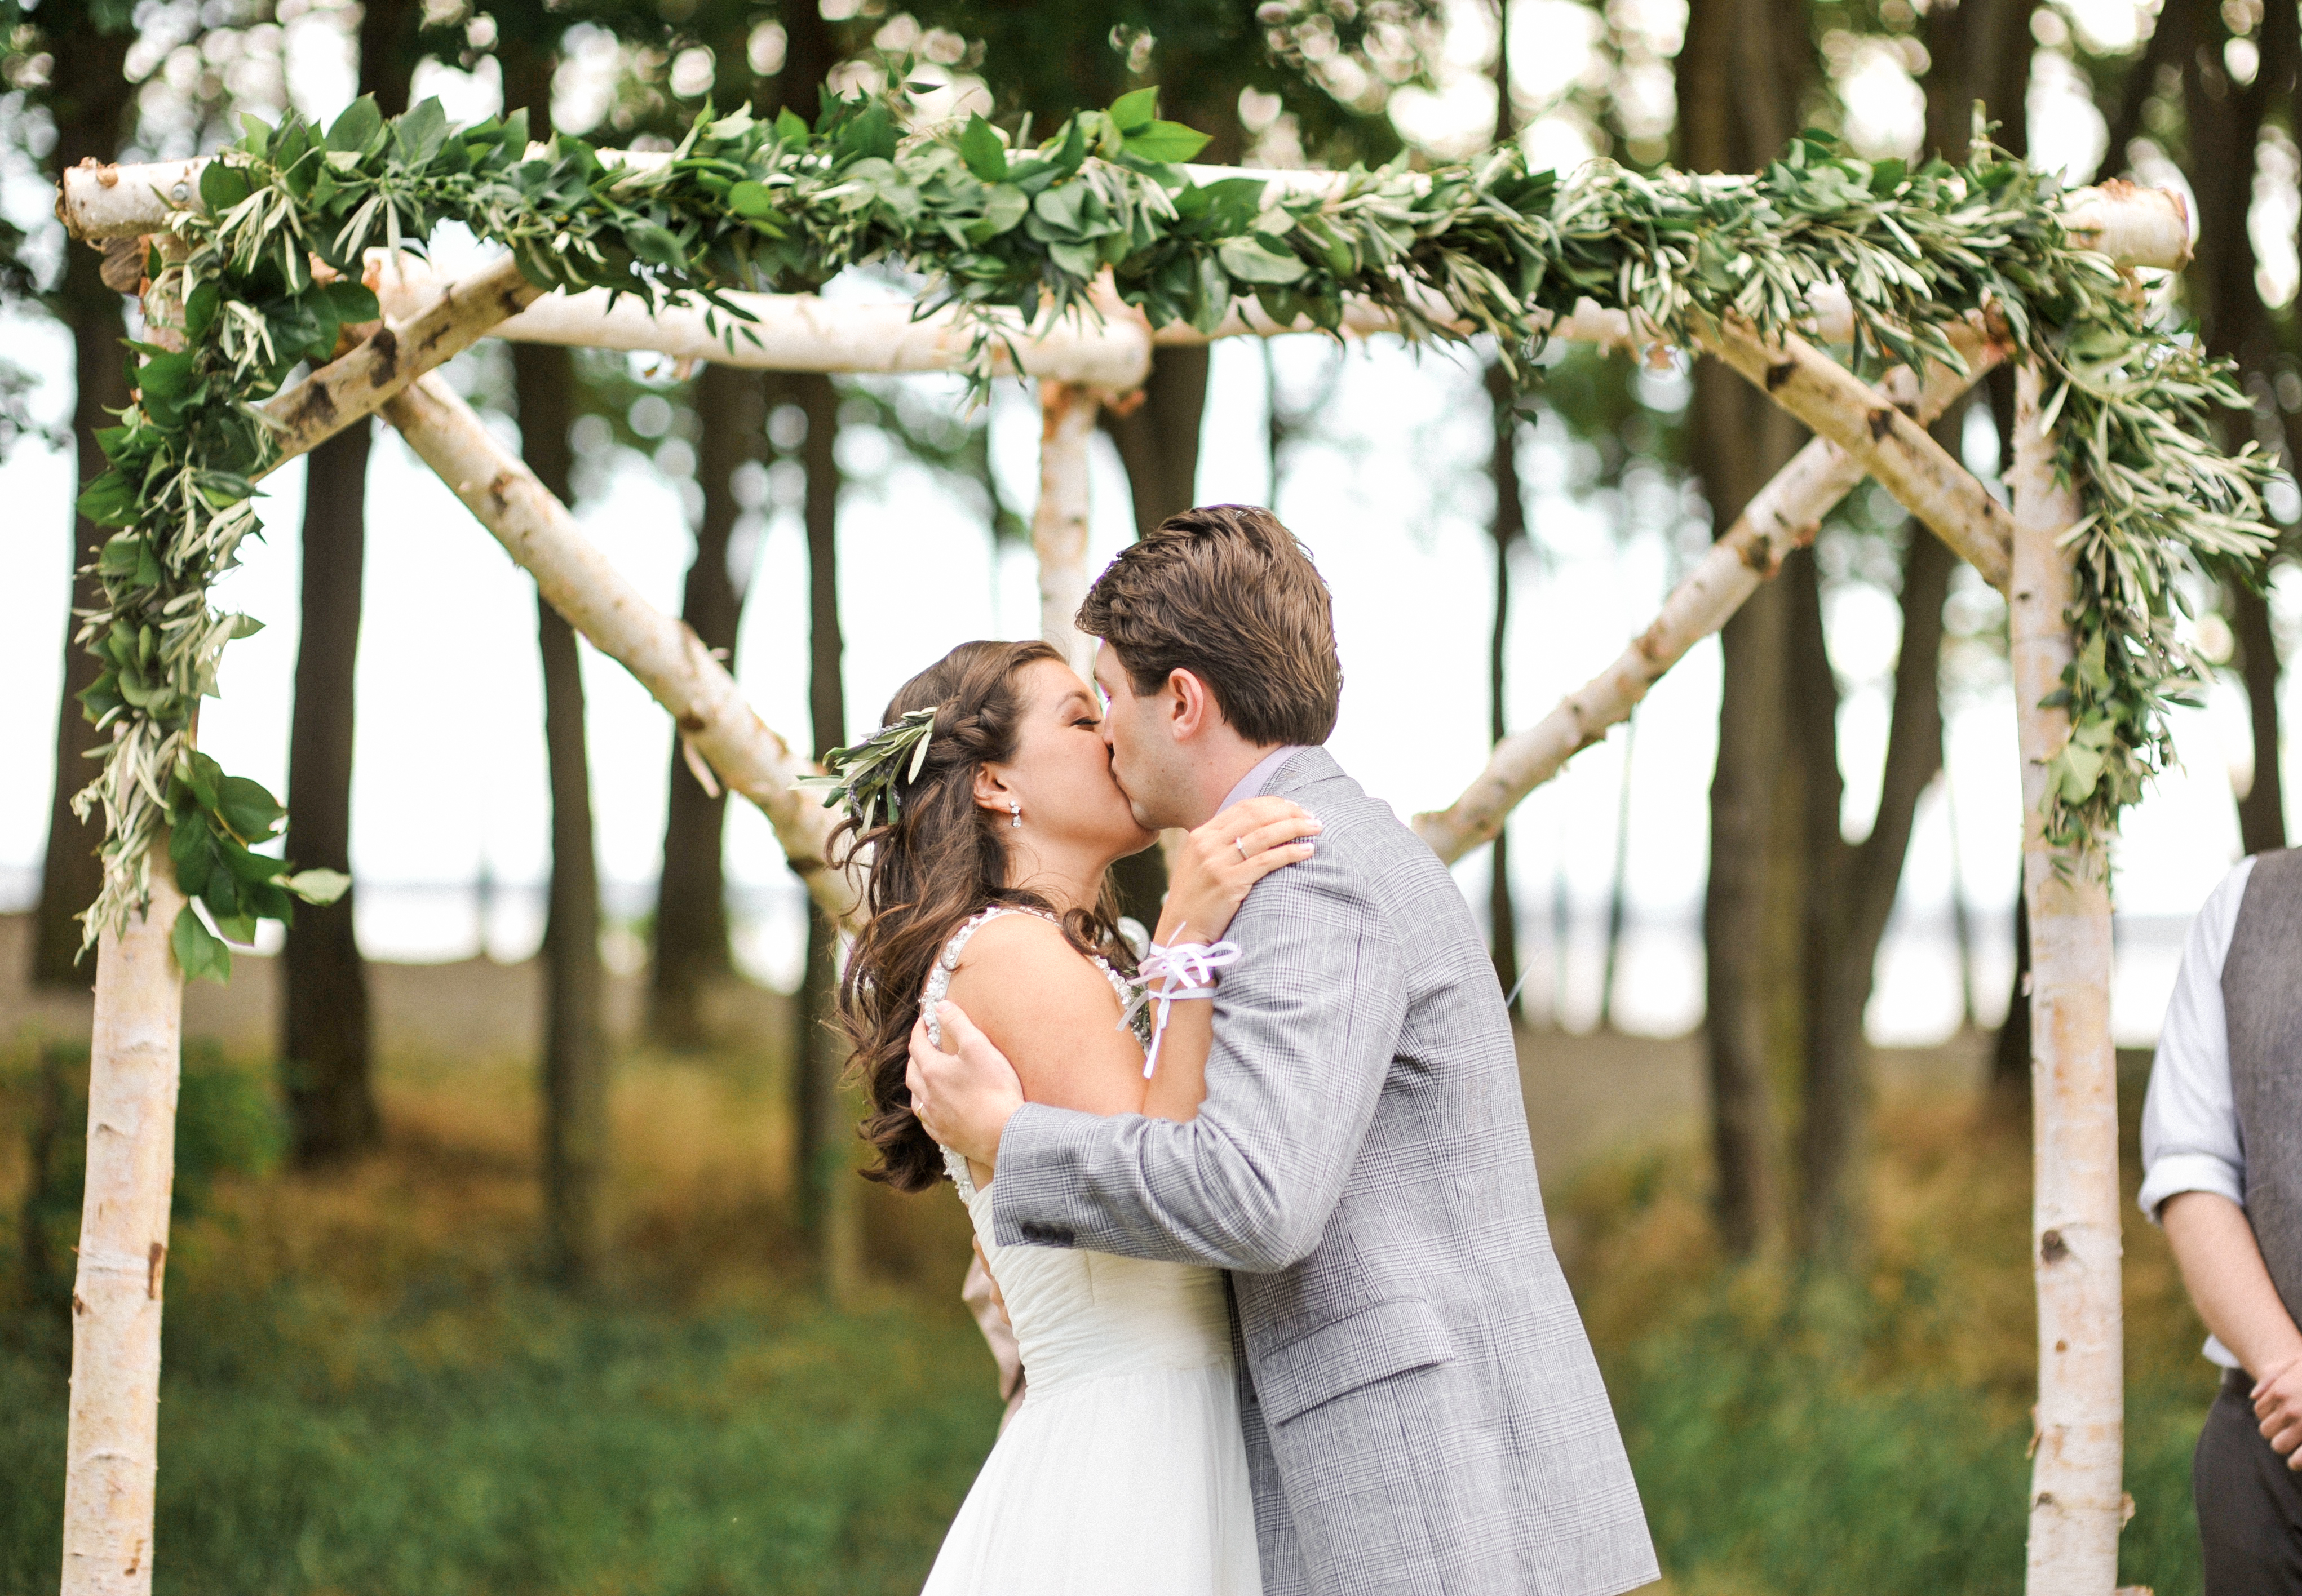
(1422, 1410)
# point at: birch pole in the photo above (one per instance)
(2076, 1505)
(112, 1447)
(1059, 524)
(1781, 516)
(717, 726)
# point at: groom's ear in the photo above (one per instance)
(1191, 709)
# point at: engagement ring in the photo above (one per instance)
(1240, 844)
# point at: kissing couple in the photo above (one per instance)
(1258, 1198)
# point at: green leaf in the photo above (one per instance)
(247, 809)
(120, 557)
(200, 309)
(1002, 207)
(749, 198)
(1081, 260)
(359, 130)
(244, 625)
(983, 150)
(110, 500)
(871, 131)
(353, 302)
(1132, 113)
(421, 132)
(654, 245)
(1250, 262)
(318, 886)
(221, 187)
(1167, 141)
(791, 127)
(169, 376)
(198, 952)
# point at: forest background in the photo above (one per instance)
(519, 1245)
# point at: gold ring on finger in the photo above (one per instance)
(1240, 844)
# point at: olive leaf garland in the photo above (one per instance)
(986, 221)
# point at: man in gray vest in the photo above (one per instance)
(2222, 1154)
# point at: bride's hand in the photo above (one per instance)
(1215, 864)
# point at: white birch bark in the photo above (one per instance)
(661, 650)
(803, 332)
(112, 1447)
(1783, 516)
(1059, 524)
(424, 331)
(2076, 1505)
(1891, 446)
(112, 1441)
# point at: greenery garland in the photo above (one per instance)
(987, 221)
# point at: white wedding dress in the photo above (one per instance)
(1123, 1473)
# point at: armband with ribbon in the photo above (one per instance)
(1189, 969)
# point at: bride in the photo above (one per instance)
(993, 819)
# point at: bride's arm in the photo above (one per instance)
(1212, 873)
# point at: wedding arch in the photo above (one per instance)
(1071, 263)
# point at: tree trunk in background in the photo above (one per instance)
(691, 910)
(2225, 121)
(325, 1042)
(90, 107)
(1743, 74)
(325, 1036)
(827, 1142)
(1852, 889)
(576, 1132)
(1507, 529)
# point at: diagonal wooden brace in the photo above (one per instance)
(1890, 445)
(1781, 516)
(395, 354)
(663, 651)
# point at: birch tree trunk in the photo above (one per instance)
(667, 657)
(2076, 1504)
(135, 1057)
(1059, 525)
(112, 1453)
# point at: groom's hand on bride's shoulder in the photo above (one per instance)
(964, 1098)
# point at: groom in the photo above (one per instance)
(1421, 1410)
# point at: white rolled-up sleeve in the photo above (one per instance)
(2189, 1118)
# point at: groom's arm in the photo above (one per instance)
(1305, 1028)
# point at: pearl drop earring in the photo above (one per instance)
(1016, 809)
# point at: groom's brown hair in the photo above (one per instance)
(1227, 594)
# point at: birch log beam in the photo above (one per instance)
(135, 1057)
(670, 661)
(1782, 516)
(803, 332)
(2076, 1505)
(427, 332)
(1059, 524)
(1891, 446)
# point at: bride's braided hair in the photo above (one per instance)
(941, 861)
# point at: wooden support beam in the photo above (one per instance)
(1782, 516)
(1059, 525)
(802, 332)
(661, 650)
(422, 333)
(1890, 445)
(135, 1058)
(2076, 1503)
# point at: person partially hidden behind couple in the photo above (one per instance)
(1265, 1215)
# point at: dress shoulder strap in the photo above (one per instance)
(938, 984)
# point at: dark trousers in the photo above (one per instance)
(2249, 1503)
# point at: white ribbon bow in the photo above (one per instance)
(1188, 969)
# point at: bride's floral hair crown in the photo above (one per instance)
(874, 770)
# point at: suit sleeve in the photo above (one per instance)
(1306, 1027)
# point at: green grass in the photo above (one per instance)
(559, 1448)
(367, 1392)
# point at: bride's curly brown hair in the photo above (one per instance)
(941, 861)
